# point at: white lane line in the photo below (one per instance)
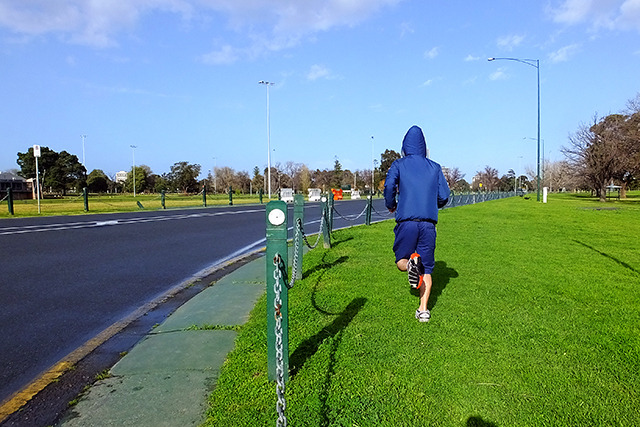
(136, 220)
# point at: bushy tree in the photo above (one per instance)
(97, 181)
(184, 177)
(140, 179)
(386, 159)
(58, 171)
(336, 180)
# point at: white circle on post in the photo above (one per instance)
(276, 217)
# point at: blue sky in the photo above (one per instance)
(179, 79)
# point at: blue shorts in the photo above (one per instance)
(416, 236)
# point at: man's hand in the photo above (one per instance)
(392, 210)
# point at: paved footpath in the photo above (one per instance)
(166, 378)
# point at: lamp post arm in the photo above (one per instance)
(535, 63)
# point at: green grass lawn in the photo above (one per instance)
(535, 322)
(74, 205)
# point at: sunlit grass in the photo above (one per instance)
(535, 321)
(74, 205)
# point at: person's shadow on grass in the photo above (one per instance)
(479, 422)
(440, 277)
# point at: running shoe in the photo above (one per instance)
(423, 316)
(415, 270)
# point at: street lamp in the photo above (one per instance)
(542, 164)
(215, 176)
(83, 138)
(373, 166)
(267, 84)
(133, 170)
(536, 64)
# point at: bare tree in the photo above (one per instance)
(293, 171)
(488, 178)
(593, 153)
(452, 175)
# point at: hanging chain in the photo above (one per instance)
(304, 236)
(296, 249)
(350, 219)
(277, 303)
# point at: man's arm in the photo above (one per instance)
(443, 191)
(391, 188)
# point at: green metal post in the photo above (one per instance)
(298, 214)
(368, 214)
(10, 200)
(204, 196)
(230, 196)
(162, 196)
(326, 235)
(276, 245)
(330, 211)
(85, 196)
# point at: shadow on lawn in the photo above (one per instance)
(440, 279)
(622, 263)
(479, 422)
(311, 345)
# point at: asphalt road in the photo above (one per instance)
(63, 280)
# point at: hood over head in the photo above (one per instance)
(414, 143)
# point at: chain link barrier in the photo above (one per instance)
(281, 404)
(465, 199)
(280, 276)
(350, 219)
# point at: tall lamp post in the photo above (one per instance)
(373, 166)
(536, 64)
(133, 169)
(83, 162)
(267, 84)
(215, 176)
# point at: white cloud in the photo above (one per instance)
(499, 74)
(406, 28)
(564, 53)
(98, 23)
(319, 72)
(608, 14)
(94, 23)
(471, 58)
(427, 83)
(509, 42)
(430, 54)
(224, 56)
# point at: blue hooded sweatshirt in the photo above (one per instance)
(417, 181)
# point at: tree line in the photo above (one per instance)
(62, 172)
(606, 151)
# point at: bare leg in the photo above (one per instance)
(402, 264)
(425, 291)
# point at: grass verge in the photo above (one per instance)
(74, 205)
(535, 321)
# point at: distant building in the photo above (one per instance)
(121, 177)
(21, 188)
